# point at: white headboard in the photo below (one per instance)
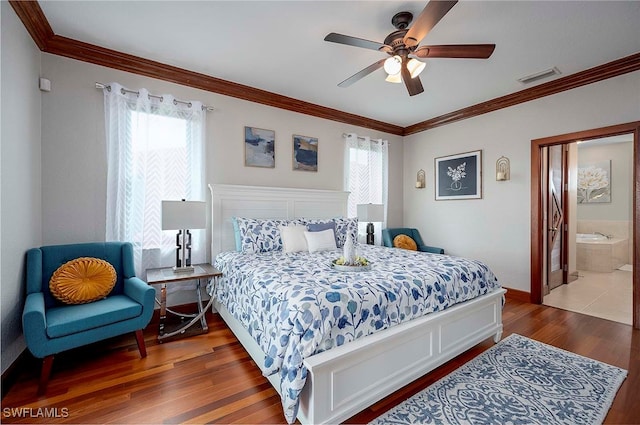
(229, 201)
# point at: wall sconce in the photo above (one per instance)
(420, 180)
(503, 169)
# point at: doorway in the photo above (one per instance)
(539, 231)
(599, 206)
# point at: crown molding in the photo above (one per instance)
(37, 25)
(34, 21)
(91, 53)
(602, 72)
(47, 41)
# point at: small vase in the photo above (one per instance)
(349, 251)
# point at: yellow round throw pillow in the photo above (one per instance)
(405, 242)
(82, 280)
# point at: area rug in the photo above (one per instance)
(517, 381)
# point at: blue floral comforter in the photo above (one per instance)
(295, 305)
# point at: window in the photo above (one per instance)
(366, 174)
(155, 152)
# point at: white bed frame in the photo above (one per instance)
(345, 380)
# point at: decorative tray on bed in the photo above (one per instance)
(360, 265)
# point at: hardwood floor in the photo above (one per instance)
(211, 379)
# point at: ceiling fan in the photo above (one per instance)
(402, 47)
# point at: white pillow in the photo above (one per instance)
(293, 239)
(321, 241)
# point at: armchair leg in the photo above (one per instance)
(141, 346)
(45, 373)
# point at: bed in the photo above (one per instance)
(328, 356)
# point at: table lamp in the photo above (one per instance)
(370, 213)
(182, 216)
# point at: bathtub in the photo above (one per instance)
(587, 237)
(598, 253)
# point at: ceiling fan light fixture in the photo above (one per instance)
(395, 78)
(393, 65)
(415, 67)
(403, 48)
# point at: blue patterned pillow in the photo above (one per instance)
(343, 226)
(257, 235)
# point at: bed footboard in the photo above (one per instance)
(345, 380)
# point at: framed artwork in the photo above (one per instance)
(305, 153)
(259, 147)
(459, 176)
(594, 182)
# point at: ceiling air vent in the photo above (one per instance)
(539, 75)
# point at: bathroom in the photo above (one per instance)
(600, 254)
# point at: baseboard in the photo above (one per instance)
(11, 375)
(517, 295)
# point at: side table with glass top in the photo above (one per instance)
(166, 275)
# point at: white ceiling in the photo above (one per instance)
(278, 46)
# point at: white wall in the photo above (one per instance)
(616, 217)
(20, 183)
(572, 207)
(621, 180)
(496, 229)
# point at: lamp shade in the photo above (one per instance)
(178, 215)
(394, 78)
(415, 67)
(393, 65)
(370, 212)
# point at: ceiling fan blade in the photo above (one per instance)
(414, 85)
(356, 42)
(462, 51)
(429, 17)
(368, 70)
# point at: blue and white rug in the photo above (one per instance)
(517, 381)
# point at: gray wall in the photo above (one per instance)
(497, 228)
(74, 150)
(54, 168)
(55, 183)
(20, 182)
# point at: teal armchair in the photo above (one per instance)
(389, 234)
(51, 327)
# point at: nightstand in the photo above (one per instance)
(166, 275)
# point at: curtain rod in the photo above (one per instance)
(362, 138)
(108, 87)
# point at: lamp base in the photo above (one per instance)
(370, 237)
(183, 252)
(185, 269)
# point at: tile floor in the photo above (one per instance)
(605, 295)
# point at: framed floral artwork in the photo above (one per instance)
(594, 182)
(459, 176)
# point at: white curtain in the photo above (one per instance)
(155, 152)
(366, 176)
